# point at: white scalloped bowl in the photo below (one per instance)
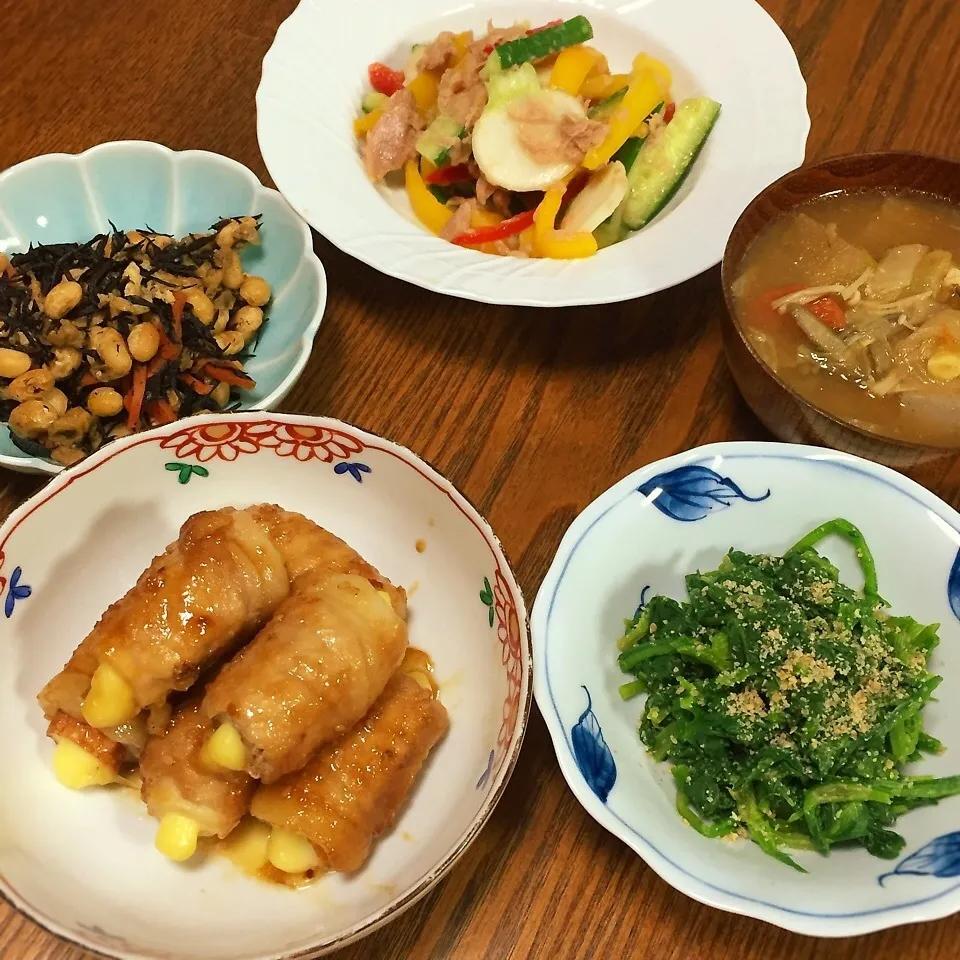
(316, 71)
(83, 864)
(684, 513)
(59, 198)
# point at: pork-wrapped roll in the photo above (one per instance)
(211, 590)
(327, 815)
(308, 677)
(183, 793)
(306, 546)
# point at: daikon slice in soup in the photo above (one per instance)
(853, 301)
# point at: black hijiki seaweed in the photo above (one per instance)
(103, 260)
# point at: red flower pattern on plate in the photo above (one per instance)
(226, 441)
(311, 443)
(508, 633)
(208, 441)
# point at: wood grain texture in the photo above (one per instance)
(531, 413)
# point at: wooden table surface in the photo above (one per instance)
(531, 413)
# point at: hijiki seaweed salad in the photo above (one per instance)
(102, 339)
(787, 703)
(522, 142)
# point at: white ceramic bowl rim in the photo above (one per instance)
(31, 464)
(324, 49)
(663, 864)
(500, 771)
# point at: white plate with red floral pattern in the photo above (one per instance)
(83, 864)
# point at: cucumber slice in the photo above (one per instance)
(543, 43)
(412, 67)
(373, 101)
(629, 152)
(506, 85)
(436, 141)
(663, 163)
(611, 231)
(603, 109)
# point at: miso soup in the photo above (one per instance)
(854, 302)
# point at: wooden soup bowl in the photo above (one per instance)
(778, 406)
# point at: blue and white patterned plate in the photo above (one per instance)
(83, 864)
(641, 537)
(59, 198)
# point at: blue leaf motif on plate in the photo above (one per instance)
(938, 858)
(691, 492)
(356, 470)
(592, 754)
(15, 591)
(643, 601)
(953, 586)
(485, 776)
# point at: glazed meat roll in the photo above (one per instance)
(326, 816)
(306, 546)
(181, 791)
(212, 589)
(308, 677)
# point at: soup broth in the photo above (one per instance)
(854, 302)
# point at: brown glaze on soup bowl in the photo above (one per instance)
(779, 407)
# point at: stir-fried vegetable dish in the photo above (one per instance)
(854, 301)
(522, 142)
(787, 702)
(102, 339)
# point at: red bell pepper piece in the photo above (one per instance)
(500, 231)
(443, 176)
(384, 79)
(669, 111)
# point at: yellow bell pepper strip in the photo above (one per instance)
(484, 218)
(424, 88)
(554, 243)
(572, 67)
(462, 43)
(660, 70)
(528, 241)
(428, 209)
(363, 125)
(641, 97)
(601, 67)
(603, 86)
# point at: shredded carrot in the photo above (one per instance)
(231, 375)
(160, 412)
(179, 302)
(947, 336)
(156, 364)
(197, 385)
(829, 312)
(168, 349)
(133, 401)
(760, 312)
(88, 379)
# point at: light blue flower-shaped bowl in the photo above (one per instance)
(640, 538)
(60, 197)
